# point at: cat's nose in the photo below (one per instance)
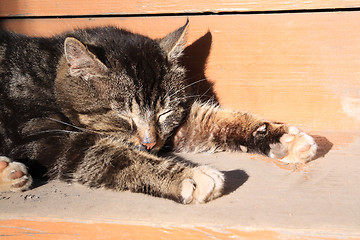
(149, 145)
(148, 140)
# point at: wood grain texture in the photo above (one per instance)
(298, 68)
(108, 7)
(56, 229)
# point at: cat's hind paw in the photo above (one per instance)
(14, 176)
(294, 147)
(205, 184)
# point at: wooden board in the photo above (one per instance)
(302, 68)
(25, 8)
(56, 229)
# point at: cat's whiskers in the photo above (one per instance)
(174, 86)
(186, 97)
(198, 96)
(60, 130)
(71, 125)
(189, 85)
(204, 94)
(52, 131)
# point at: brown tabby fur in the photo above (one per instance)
(94, 106)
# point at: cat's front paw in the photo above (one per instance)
(14, 176)
(204, 185)
(294, 147)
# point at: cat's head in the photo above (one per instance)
(124, 85)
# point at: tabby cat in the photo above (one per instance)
(94, 106)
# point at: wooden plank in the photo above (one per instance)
(298, 68)
(10, 8)
(61, 230)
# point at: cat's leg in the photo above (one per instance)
(14, 176)
(114, 165)
(211, 128)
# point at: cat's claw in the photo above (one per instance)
(294, 147)
(205, 184)
(14, 176)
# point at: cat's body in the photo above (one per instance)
(95, 105)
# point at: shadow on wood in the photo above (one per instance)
(194, 60)
(233, 180)
(324, 146)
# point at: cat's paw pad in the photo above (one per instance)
(14, 176)
(205, 184)
(294, 147)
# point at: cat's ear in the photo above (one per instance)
(81, 62)
(173, 44)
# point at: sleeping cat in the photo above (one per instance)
(94, 106)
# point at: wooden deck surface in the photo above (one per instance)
(263, 200)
